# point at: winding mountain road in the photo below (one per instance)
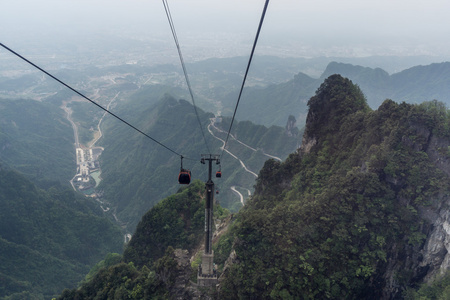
(233, 188)
(240, 142)
(234, 156)
(99, 135)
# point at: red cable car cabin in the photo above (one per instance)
(218, 174)
(184, 177)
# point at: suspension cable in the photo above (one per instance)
(246, 71)
(172, 28)
(87, 98)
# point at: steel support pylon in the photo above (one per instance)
(207, 275)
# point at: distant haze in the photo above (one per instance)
(213, 28)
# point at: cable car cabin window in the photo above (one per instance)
(218, 174)
(184, 177)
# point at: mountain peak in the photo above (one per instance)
(352, 71)
(335, 99)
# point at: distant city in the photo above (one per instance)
(77, 52)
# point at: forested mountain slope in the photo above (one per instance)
(422, 83)
(271, 105)
(152, 269)
(375, 83)
(413, 85)
(137, 172)
(358, 213)
(48, 239)
(37, 140)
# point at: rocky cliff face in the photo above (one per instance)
(290, 126)
(182, 288)
(435, 253)
(361, 211)
(431, 258)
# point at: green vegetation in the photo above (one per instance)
(323, 223)
(376, 83)
(110, 260)
(48, 240)
(87, 116)
(439, 289)
(177, 221)
(149, 268)
(137, 173)
(272, 104)
(125, 281)
(37, 140)
(353, 197)
(413, 85)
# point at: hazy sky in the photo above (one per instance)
(302, 28)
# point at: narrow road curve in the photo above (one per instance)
(234, 138)
(69, 118)
(241, 162)
(92, 143)
(68, 111)
(233, 188)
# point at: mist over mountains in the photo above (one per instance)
(413, 85)
(138, 173)
(329, 189)
(36, 140)
(356, 213)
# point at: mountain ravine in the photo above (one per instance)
(359, 211)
